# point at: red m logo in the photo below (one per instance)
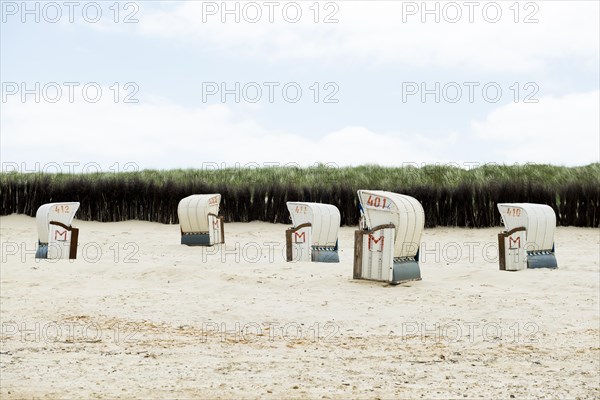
(514, 244)
(374, 241)
(299, 237)
(60, 236)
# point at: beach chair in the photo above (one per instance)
(57, 239)
(386, 247)
(199, 220)
(314, 236)
(528, 238)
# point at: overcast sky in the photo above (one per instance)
(194, 84)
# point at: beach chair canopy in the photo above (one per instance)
(193, 212)
(404, 212)
(59, 212)
(324, 219)
(539, 221)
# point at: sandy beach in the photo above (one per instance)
(138, 315)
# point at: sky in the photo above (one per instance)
(130, 85)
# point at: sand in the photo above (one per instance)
(138, 315)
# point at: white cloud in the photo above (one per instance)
(158, 134)
(373, 32)
(562, 130)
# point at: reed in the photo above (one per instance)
(451, 196)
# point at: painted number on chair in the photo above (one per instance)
(61, 208)
(301, 209)
(513, 212)
(377, 202)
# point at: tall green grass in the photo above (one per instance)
(451, 196)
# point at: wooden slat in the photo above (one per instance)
(288, 244)
(74, 240)
(501, 253)
(222, 229)
(358, 253)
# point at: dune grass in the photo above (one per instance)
(451, 196)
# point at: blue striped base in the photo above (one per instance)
(405, 270)
(325, 254)
(541, 259)
(195, 239)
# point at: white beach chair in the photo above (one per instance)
(386, 248)
(528, 241)
(199, 220)
(57, 239)
(314, 236)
